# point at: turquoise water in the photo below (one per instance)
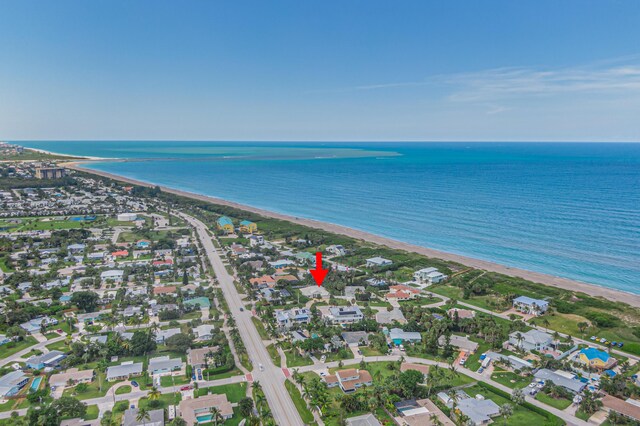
(571, 210)
(36, 383)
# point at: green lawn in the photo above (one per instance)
(165, 399)
(93, 389)
(92, 412)
(235, 392)
(297, 360)
(13, 347)
(260, 327)
(560, 403)
(212, 375)
(301, 405)
(510, 379)
(58, 346)
(275, 355)
(167, 381)
(367, 351)
(123, 389)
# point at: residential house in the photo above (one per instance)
(72, 375)
(388, 317)
(429, 276)
(363, 420)
(197, 358)
(336, 249)
(199, 302)
(163, 335)
(130, 418)
(531, 340)
(595, 358)
(11, 383)
(50, 359)
(198, 410)
(349, 380)
(292, 317)
(355, 338)
(561, 378)
(34, 325)
(399, 336)
(203, 332)
(627, 409)
(124, 371)
(530, 306)
(115, 275)
(163, 365)
(402, 292)
(225, 224)
(377, 262)
(343, 314)
(248, 227)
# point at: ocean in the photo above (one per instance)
(566, 209)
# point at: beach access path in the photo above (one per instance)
(538, 277)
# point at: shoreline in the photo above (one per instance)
(536, 277)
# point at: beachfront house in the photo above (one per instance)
(377, 262)
(248, 227)
(429, 276)
(225, 224)
(530, 306)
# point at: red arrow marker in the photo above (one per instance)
(319, 273)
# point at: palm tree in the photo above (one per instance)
(143, 415)
(506, 411)
(154, 394)
(215, 415)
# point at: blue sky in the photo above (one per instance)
(320, 70)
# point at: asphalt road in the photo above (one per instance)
(271, 378)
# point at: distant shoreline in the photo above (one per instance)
(537, 277)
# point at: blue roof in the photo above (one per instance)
(224, 221)
(246, 222)
(610, 373)
(593, 353)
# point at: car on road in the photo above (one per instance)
(261, 367)
(134, 384)
(241, 309)
(185, 388)
(133, 407)
(323, 373)
(359, 352)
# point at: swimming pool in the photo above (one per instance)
(36, 383)
(205, 418)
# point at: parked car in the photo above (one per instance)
(620, 344)
(594, 338)
(185, 388)
(134, 384)
(480, 370)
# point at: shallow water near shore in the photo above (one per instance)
(570, 210)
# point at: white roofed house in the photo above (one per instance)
(115, 275)
(429, 276)
(342, 314)
(530, 306)
(288, 318)
(164, 365)
(124, 371)
(377, 262)
(203, 332)
(531, 340)
(162, 335)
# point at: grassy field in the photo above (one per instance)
(301, 405)
(260, 327)
(123, 390)
(510, 379)
(92, 412)
(93, 389)
(13, 347)
(235, 392)
(275, 355)
(297, 360)
(559, 403)
(165, 399)
(167, 381)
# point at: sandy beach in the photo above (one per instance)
(564, 283)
